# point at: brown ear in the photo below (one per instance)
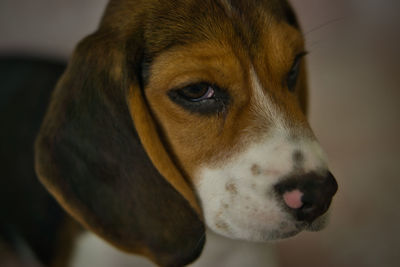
(90, 156)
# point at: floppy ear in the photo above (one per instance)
(99, 154)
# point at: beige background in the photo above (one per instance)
(354, 79)
(355, 112)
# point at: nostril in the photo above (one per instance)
(308, 201)
(311, 208)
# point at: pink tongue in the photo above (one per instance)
(293, 199)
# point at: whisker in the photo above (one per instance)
(321, 26)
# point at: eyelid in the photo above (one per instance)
(184, 84)
(300, 56)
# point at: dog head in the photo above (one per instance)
(178, 112)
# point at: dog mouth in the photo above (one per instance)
(318, 224)
(285, 232)
(290, 228)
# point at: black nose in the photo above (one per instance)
(307, 196)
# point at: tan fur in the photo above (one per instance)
(184, 42)
(196, 139)
(155, 149)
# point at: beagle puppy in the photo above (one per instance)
(179, 115)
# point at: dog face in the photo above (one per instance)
(231, 112)
(180, 112)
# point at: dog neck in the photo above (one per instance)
(218, 251)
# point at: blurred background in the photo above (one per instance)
(355, 112)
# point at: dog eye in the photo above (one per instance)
(202, 98)
(197, 92)
(293, 74)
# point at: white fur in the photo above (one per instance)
(252, 213)
(218, 251)
(237, 197)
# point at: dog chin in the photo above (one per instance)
(260, 234)
(284, 231)
(318, 224)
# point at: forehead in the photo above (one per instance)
(242, 23)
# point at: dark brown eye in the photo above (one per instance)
(197, 92)
(202, 98)
(292, 77)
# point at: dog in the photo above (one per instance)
(177, 116)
